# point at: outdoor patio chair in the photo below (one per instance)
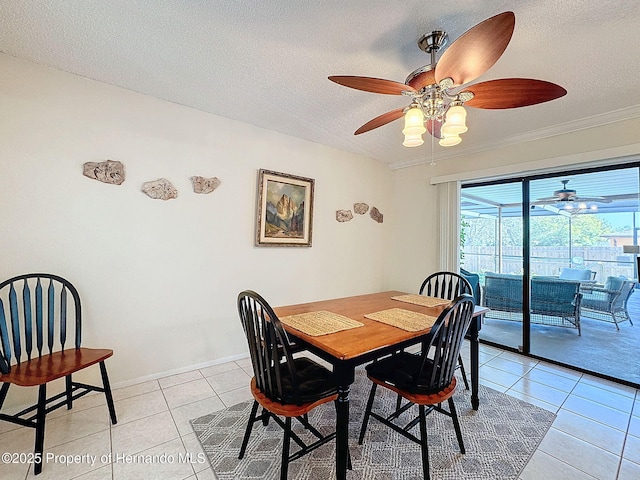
(609, 302)
(43, 310)
(474, 281)
(554, 302)
(282, 386)
(580, 274)
(426, 379)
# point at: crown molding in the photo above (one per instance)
(619, 155)
(552, 131)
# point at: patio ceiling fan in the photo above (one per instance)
(566, 194)
(567, 202)
(437, 91)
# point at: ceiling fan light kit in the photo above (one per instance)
(414, 122)
(449, 140)
(413, 127)
(574, 208)
(412, 140)
(455, 122)
(437, 90)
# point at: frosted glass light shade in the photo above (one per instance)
(414, 122)
(413, 140)
(455, 121)
(449, 140)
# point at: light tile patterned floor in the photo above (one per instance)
(596, 434)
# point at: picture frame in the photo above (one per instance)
(285, 210)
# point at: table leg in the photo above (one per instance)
(345, 375)
(342, 432)
(475, 361)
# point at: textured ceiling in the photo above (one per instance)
(266, 62)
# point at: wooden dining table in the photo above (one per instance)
(347, 349)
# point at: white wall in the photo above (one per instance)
(159, 279)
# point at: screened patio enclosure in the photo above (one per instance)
(546, 229)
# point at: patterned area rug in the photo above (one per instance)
(499, 439)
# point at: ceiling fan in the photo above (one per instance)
(567, 200)
(437, 90)
(566, 194)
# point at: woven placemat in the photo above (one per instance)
(404, 319)
(421, 300)
(320, 323)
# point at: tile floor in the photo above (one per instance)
(596, 433)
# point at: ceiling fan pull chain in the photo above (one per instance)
(433, 162)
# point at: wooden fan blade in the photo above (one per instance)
(477, 50)
(381, 120)
(375, 85)
(513, 93)
(591, 199)
(433, 127)
(422, 79)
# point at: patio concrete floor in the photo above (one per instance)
(601, 348)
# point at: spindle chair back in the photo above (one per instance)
(40, 341)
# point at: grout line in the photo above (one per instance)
(627, 434)
(538, 398)
(111, 446)
(566, 463)
(489, 355)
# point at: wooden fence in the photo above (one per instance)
(604, 260)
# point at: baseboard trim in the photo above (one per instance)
(177, 371)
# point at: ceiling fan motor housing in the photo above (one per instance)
(434, 41)
(565, 193)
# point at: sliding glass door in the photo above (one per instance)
(492, 232)
(557, 257)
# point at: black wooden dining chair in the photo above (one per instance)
(448, 285)
(43, 310)
(282, 385)
(426, 379)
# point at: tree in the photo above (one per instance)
(464, 225)
(547, 230)
(479, 232)
(553, 230)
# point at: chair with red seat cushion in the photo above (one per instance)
(282, 385)
(425, 379)
(38, 311)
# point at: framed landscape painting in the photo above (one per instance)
(285, 210)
